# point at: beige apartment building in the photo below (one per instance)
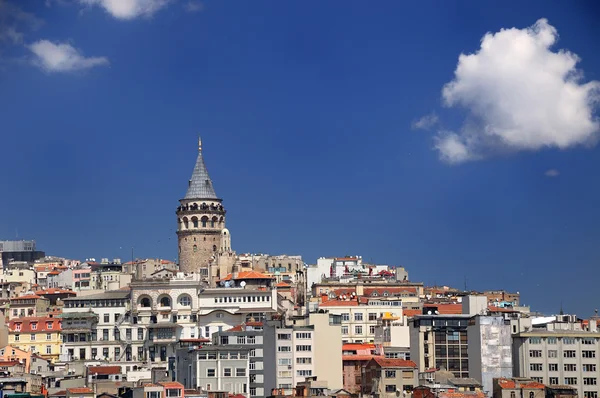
(558, 351)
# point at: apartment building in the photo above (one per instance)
(28, 305)
(91, 327)
(440, 341)
(38, 335)
(360, 316)
(558, 351)
(223, 367)
(388, 378)
(249, 335)
(393, 335)
(292, 353)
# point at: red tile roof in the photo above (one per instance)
(172, 384)
(80, 390)
(53, 290)
(394, 363)
(41, 325)
(512, 384)
(9, 363)
(247, 275)
(446, 309)
(28, 296)
(283, 284)
(410, 312)
(357, 346)
(104, 370)
(364, 358)
(339, 303)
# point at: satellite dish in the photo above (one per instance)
(428, 312)
(243, 283)
(222, 283)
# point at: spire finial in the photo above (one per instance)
(199, 144)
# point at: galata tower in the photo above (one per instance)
(204, 242)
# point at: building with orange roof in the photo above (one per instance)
(354, 357)
(12, 353)
(80, 392)
(250, 279)
(27, 305)
(39, 335)
(388, 378)
(504, 387)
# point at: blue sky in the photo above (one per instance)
(312, 120)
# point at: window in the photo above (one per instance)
(535, 353)
(358, 329)
(241, 339)
(140, 334)
(106, 318)
(105, 334)
(552, 353)
(284, 349)
(570, 381)
(17, 337)
(240, 372)
(185, 301)
(304, 372)
(48, 325)
(589, 381)
(590, 394)
(390, 374)
(344, 329)
(553, 380)
(303, 335)
(153, 394)
(589, 367)
(513, 394)
(569, 354)
(303, 348)
(48, 349)
(284, 361)
(551, 340)
(33, 325)
(588, 341)
(253, 391)
(284, 373)
(531, 393)
(372, 316)
(210, 372)
(33, 337)
(48, 336)
(535, 340)
(304, 361)
(535, 367)
(227, 372)
(252, 353)
(390, 388)
(358, 316)
(570, 367)
(251, 339)
(345, 317)
(588, 354)
(284, 336)
(173, 392)
(568, 340)
(553, 367)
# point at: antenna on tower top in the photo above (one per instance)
(199, 143)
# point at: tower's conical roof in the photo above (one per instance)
(200, 185)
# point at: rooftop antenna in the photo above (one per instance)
(465, 283)
(199, 143)
(561, 308)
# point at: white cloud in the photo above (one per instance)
(552, 173)
(62, 57)
(427, 122)
(193, 6)
(519, 95)
(128, 9)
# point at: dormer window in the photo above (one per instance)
(17, 327)
(374, 294)
(49, 325)
(33, 325)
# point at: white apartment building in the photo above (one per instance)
(360, 317)
(558, 350)
(292, 353)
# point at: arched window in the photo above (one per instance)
(214, 222)
(185, 300)
(512, 394)
(195, 222)
(531, 394)
(145, 302)
(185, 222)
(204, 221)
(195, 248)
(165, 301)
(214, 248)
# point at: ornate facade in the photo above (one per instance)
(204, 241)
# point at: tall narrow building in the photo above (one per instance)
(204, 242)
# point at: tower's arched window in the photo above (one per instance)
(214, 248)
(165, 301)
(195, 222)
(204, 221)
(531, 394)
(185, 222)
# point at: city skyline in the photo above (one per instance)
(327, 141)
